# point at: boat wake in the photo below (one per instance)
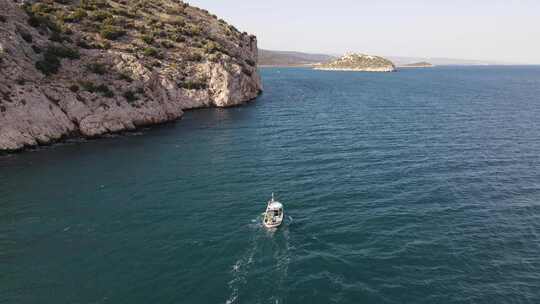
(241, 267)
(265, 263)
(281, 261)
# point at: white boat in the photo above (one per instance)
(273, 217)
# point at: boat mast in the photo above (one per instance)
(271, 201)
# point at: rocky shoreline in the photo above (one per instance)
(61, 80)
(78, 137)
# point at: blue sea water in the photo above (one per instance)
(421, 186)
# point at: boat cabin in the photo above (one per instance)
(274, 214)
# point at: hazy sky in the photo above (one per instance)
(474, 29)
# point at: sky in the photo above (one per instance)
(492, 30)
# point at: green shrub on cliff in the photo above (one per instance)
(93, 5)
(211, 47)
(93, 88)
(130, 96)
(49, 65)
(63, 51)
(105, 91)
(148, 38)
(76, 16)
(125, 77)
(111, 32)
(57, 37)
(42, 15)
(97, 68)
(100, 16)
(37, 20)
(166, 44)
(51, 61)
(124, 12)
(152, 52)
(41, 8)
(192, 30)
(88, 86)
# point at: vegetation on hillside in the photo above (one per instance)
(151, 30)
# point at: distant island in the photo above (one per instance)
(422, 64)
(360, 63)
(269, 58)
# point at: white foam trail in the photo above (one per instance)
(232, 300)
(281, 257)
(241, 267)
(282, 261)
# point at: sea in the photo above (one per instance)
(420, 186)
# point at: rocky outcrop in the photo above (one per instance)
(360, 63)
(88, 68)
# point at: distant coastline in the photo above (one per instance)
(269, 58)
(380, 70)
(417, 65)
(309, 65)
(274, 58)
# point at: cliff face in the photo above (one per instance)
(91, 67)
(359, 62)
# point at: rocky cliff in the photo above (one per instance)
(92, 67)
(359, 62)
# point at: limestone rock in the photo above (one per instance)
(96, 67)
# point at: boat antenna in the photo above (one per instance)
(272, 196)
